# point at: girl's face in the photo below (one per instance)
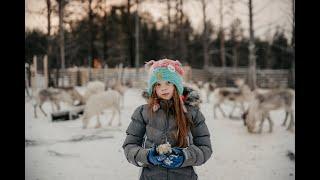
(164, 89)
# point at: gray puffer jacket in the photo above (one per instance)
(145, 130)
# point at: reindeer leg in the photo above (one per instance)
(52, 107)
(233, 108)
(270, 123)
(57, 103)
(122, 101)
(214, 111)
(98, 125)
(85, 121)
(35, 111)
(112, 117)
(119, 116)
(40, 107)
(261, 125)
(221, 110)
(285, 119)
(290, 127)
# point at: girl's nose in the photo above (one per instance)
(163, 88)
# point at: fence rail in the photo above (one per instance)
(80, 76)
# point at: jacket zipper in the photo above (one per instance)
(167, 124)
(166, 132)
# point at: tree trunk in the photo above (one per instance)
(169, 27)
(222, 53)
(205, 36)
(91, 55)
(104, 39)
(293, 46)
(137, 39)
(252, 59)
(183, 40)
(131, 52)
(49, 50)
(61, 33)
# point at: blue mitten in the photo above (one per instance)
(154, 158)
(174, 160)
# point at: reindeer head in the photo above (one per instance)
(249, 125)
(250, 118)
(212, 87)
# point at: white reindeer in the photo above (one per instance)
(263, 103)
(94, 87)
(116, 85)
(97, 103)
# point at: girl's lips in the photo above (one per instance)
(165, 94)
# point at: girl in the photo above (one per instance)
(168, 118)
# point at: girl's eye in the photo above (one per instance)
(157, 84)
(169, 82)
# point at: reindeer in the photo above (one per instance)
(74, 94)
(208, 87)
(263, 103)
(239, 95)
(115, 84)
(97, 103)
(55, 96)
(94, 87)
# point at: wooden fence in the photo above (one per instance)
(80, 76)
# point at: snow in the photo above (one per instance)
(236, 154)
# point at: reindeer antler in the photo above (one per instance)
(148, 64)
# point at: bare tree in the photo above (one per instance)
(61, 5)
(205, 35)
(169, 34)
(91, 39)
(222, 49)
(49, 10)
(130, 35)
(49, 50)
(137, 38)
(293, 44)
(236, 34)
(183, 43)
(104, 30)
(252, 59)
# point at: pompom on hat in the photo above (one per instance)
(165, 70)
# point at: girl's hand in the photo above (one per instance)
(174, 160)
(154, 158)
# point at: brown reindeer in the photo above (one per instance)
(263, 103)
(55, 96)
(238, 95)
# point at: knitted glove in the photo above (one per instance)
(174, 160)
(154, 158)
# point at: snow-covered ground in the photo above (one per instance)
(64, 151)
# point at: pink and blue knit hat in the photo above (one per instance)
(166, 70)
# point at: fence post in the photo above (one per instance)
(45, 70)
(26, 66)
(33, 70)
(89, 58)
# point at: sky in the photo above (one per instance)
(268, 14)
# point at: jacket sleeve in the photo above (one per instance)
(132, 145)
(200, 151)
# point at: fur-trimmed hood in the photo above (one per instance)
(190, 96)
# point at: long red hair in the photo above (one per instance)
(182, 121)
